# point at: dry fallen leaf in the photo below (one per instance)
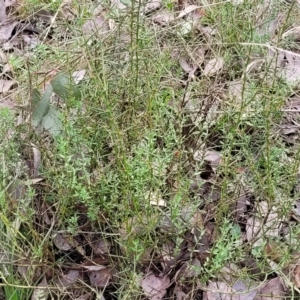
(271, 290)
(67, 11)
(155, 198)
(213, 66)
(296, 276)
(7, 103)
(221, 290)
(163, 18)
(155, 287)
(96, 26)
(2, 11)
(6, 30)
(78, 75)
(180, 295)
(218, 290)
(100, 246)
(188, 10)
(62, 241)
(118, 4)
(41, 292)
(6, 85)
(152, 5)
(67, 279)
(100, 278)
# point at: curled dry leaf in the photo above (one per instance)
(78, 75)
(155, 287)
(213, 66)
(212, 157)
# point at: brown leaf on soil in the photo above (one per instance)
(152, 5)
(67, 11)
(213, 66)
(100, 278)
(189, 270)
(296, 276)
(78, 75)
(98, 25)
(163, 18)
(190, 9)
(2, 11)
(8, 103)
(180, 295)
(67, 279)
(6, 30)
(155, 287)
(6, 85)
(62, 241)
(41, 292)
(271, 290)
(221, 290)
(100, 246)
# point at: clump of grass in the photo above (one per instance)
(129, 138)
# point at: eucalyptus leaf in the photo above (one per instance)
(51, 121)
(42, 107)
(126, 2)
(35, 98)
(64, 86)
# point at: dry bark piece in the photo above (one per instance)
(155, 287)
